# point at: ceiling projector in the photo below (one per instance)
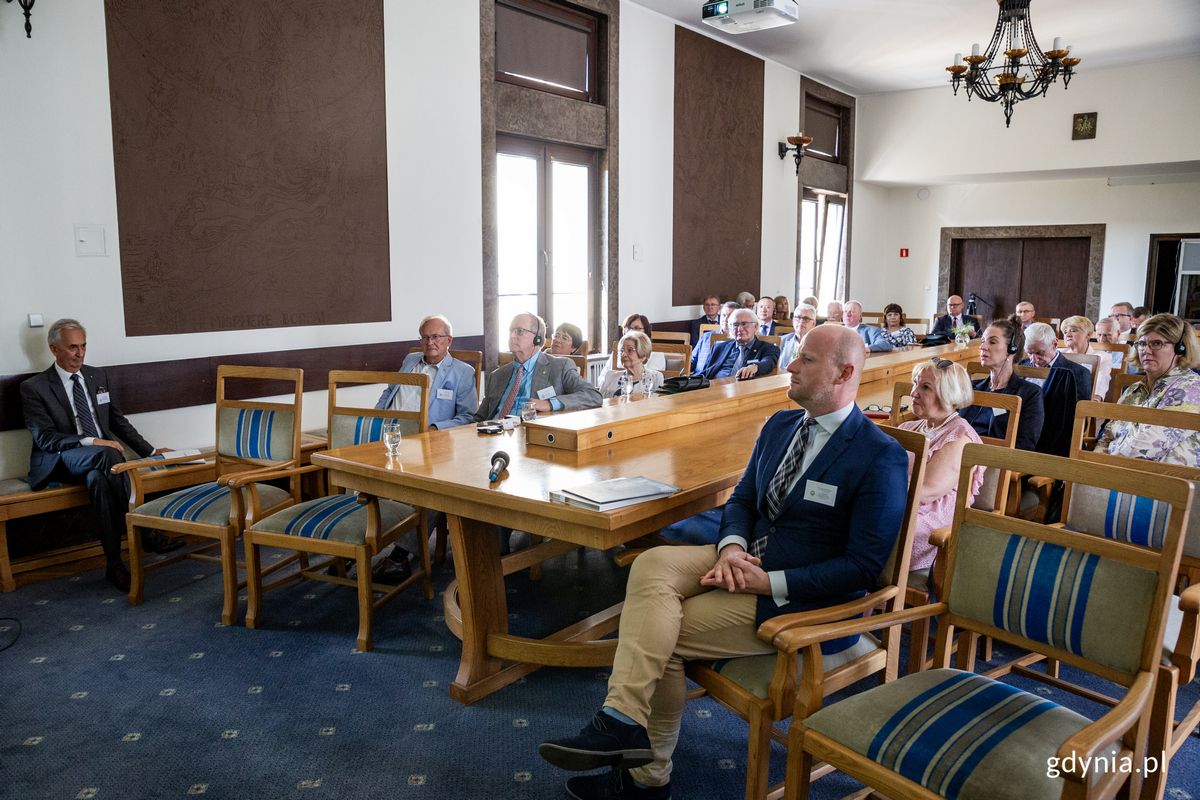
(743, 16)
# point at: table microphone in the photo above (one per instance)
(499, 464)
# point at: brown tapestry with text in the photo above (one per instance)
(251, 163)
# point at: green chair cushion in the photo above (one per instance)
(753, 673)
(960, 735)
(207, 503)
(338, 518)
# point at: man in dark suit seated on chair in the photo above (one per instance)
(74, 419)
(1067, 385)
(712, 306)
(810, 524)
(765, 309)
(703, 350)
(745, 355)
(954, 318)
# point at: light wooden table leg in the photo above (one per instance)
(481, 597)
(7, 584)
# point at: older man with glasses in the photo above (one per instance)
(954, 318)
(804, 319)
(1122, 314)
(745, 355)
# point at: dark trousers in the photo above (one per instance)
(109, 493)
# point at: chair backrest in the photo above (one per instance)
(257, 432)
(720, 337)
(349, 425)
(976, 369)
(504, 357)
(1118, 514)
(670, 336)
(678, 357)
(1095, 604)
(1116, 347)
(472, 357)
(992, 494)
(708, 326)
(783, 330)
(895, 572)
(1036, 373)
(1092, 362)
(1120, 382)
(923, 321)
(1051, 321)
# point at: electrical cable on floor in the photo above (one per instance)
(16, 636)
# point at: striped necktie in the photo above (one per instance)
(788, 467)
(83, 410)
(512, 393)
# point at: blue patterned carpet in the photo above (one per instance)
(101, 699)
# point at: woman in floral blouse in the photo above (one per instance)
(1170, 383)
(893, 326)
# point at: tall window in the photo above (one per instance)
(545, 208)
(547, 46)
(822, 246)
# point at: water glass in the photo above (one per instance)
(391, 437)
(528, 412)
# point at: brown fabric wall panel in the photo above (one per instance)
(163, 385)
(250, 149)
(718, 170)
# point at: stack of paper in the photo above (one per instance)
(615, 493)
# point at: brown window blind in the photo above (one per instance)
(823, 122)
(545, 46)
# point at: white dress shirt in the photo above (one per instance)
(822, 431)
(69, 388)
(409, 397)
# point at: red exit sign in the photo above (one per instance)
(904, 252)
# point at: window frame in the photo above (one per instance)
(569, 17)
(819, 105)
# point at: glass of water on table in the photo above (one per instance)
(391, 437)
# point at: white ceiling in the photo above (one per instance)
(870, 46)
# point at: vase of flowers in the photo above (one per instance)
(962, 334)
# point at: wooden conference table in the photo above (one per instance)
(656, 438)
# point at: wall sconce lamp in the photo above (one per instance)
(27, 6)
(798, 143)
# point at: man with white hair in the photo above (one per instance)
(833, 313)
(453, 400)
(71, 411)
(745, 355)
(1107, 333)
(703, 348)
(1067, 384)
(804, 319)
(810, 524)
(1025, 313)
(746, 300)
(873, 338)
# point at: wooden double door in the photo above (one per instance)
(1050, 273)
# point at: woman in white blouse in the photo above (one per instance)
(1075, 332)
(633, 351)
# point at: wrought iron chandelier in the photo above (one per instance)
(997, 76)
(27, 7)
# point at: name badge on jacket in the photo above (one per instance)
(101, 398)
(445, 394)
(823, 493)
(546, 394)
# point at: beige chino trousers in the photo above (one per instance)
(668, 618)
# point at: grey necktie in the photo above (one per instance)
(83, 411)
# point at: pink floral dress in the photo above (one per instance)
(939, 513)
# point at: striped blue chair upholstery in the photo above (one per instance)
(1067, 594)
(208, 503)
(346, 527)
(255, 433)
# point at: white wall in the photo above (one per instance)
(647, 124)
(56, 170)
(981, 174)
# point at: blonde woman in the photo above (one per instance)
(634, 351)
(940, 388)
(1076, 331)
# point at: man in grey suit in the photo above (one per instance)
(74, 419)
(551, 383)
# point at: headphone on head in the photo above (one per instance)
(1181, 346)
(539, 335)
(1012, 345)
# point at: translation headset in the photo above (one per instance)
(1180, 346)
(539, 335)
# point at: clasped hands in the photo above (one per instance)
(738, 572)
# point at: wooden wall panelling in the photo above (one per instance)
(1054, 275)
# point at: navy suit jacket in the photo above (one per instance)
(696, 323)
(829, 554)
(771, 332)
(1032, 414)
(48, 417)
(1067, 385)
(764, 354)
(942, 325)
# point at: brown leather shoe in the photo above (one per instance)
(391, 572)
(159, 542)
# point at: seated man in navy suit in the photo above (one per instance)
(765, 309)
(1067, 385)
(712, 305)
(954, 318)
(453, 400)
(703, 349)
(71, 411)
(745, 355)
(810, 524)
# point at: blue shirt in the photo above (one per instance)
(524, 390)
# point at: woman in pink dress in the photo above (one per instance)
(940, 388)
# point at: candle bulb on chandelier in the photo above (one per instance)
(1057, 43)
(975, 49)
(958, 59)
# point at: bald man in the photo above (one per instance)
(809, 525)
(954, 318)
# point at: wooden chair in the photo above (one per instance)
(1051, 321)
(761, 689)
(343, 526)
(671, 336)
(504, 357)
(921, 321)
(1118, 347)
(1121, 382)
(1092, 362)
(672, 354)
(254, 438)
(783, 330)
(707, 326)
(472, 357)
(927, 734)
(991, 499)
